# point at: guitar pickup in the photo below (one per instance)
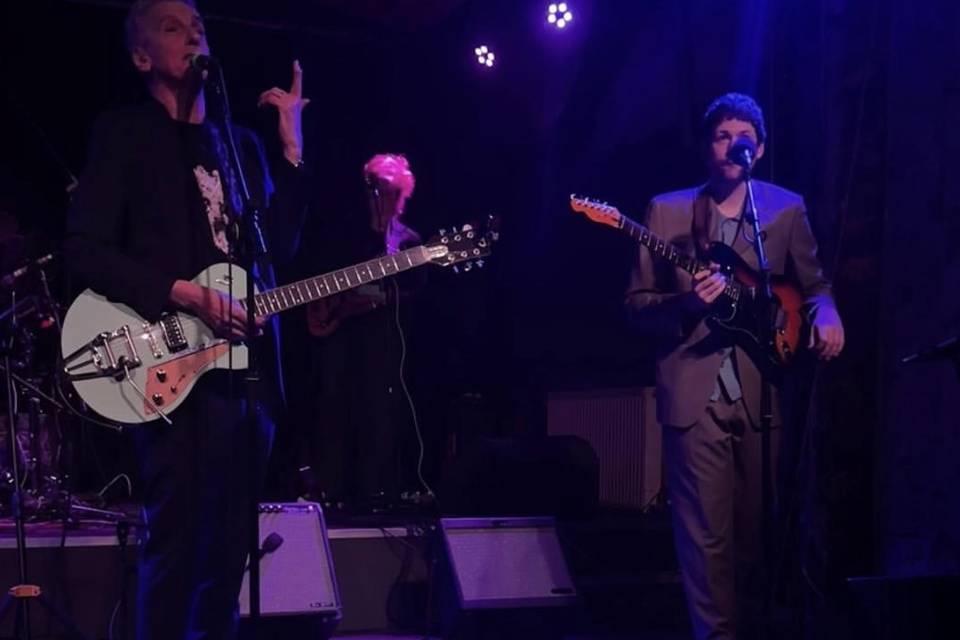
(781, 321)
(173, 333)
(110, 354)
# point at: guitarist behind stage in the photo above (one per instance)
(354, 444)
(708, 391)
(153, 210)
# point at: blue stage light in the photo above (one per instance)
(485, 55)
(559, 15)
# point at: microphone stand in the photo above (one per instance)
(24, 592)
(949, 349)
(765, 318)
(249, 236)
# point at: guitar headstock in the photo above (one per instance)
(467, 245)
(597, 211)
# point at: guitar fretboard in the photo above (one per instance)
(670, 252)
(328, 284)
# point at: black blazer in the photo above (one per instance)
(133, 227)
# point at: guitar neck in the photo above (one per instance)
(304, 291)
(671, 253)
(660, 247)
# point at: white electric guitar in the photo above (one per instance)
(132, 371)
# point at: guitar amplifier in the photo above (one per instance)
(296, 568)
(504, 563)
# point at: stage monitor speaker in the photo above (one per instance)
(500, 563)
(296, 568)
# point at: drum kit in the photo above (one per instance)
(28, 322)
(32, 395)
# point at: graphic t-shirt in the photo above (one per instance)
(200, 149)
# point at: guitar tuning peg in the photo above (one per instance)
(456, 269)
(467, 266)
(443, 232)
(479, 262)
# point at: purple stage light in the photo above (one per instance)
(559, 15)
(484, 55)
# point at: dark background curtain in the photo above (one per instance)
(862, 100)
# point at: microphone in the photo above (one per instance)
(270, 544)
(8, 280)
(203, 62)
(742, 152)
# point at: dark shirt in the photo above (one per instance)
(726, 231)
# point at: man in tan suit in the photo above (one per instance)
(708, 389)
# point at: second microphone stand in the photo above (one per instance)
(765, 316)
(249, 238)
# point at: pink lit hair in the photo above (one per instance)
(392, 168)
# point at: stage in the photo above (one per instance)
(622, 565)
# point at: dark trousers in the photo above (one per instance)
(197, 480)
(360, 413)
(713, 481)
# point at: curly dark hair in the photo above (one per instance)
(732, 105)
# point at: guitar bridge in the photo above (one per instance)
(173, 333)
(110, 354)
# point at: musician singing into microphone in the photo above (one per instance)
(156, 205)
(708, 389)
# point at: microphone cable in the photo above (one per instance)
(406, 390)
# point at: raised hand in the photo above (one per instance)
(289, 105)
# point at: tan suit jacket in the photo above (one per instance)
(662, 306)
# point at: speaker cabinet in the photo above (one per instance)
(500, 563)
(505, 579)
(296, 569)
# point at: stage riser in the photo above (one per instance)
(83, 581)
(382, 579)
(623, 568)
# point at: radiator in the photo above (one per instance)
(621, 426)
